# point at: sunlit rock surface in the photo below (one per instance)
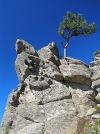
(54, 93)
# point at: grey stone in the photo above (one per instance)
(82, 91)
(75, 71)
(95, 68)
(53, 94)
(91, 111)
(61, 124)
(20, 122)
(52, 71)
(23, 46)
(34, 113)
(61, 115)
(13, 99)
(95, 75)
(54, 109)
(98, 97)
(50, 53)
(54, 91)
(98, 89)
(82, 96)
(25, 65)
(38, 82)
(1, 131)
(96, 116)
(57, 91)
(96, 84)
(37, 128)
(69, 60)
(9, 114)
(54, 49)
(95, 64)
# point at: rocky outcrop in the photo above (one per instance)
(53, 94)
(75, 71)
(95, 71)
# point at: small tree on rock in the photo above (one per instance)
(73, 25)
(95, 54)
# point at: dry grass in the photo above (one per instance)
(82, 124)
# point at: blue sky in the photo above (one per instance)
(37, 22)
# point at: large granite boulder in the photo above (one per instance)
(53, 93)
(75, 71)
(25, 65)
(27, 62)
(50, 53)
(23, 46)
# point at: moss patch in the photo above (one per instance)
(97, 110)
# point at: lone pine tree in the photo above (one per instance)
(74, 25)
(95, 54)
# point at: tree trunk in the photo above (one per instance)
(65, 54)
(65, 48)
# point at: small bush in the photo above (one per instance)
(7, 130)
(82, 124)
(95, 53)
(97, 110)
(93, 129)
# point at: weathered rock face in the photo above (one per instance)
(75, 71)
(95, 69)
(23, 46)
(53, 93)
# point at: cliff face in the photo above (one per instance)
(54, 94)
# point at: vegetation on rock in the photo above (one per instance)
(7, 130)
(94, 129)
(95, 54)
(97, 110)
(74, 25)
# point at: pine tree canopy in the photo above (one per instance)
(96, 52)
(75, 25)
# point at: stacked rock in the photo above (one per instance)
(52, 95)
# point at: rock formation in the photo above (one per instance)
(54, 93)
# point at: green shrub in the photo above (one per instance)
(7, 130)
(97, 110)
(95, 53)
(93, 129)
